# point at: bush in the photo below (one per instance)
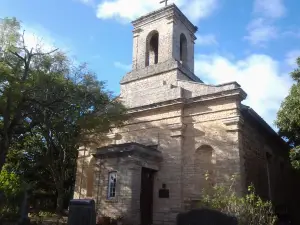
(11, 190)
(249, 209)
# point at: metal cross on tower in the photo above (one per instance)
(164, 1)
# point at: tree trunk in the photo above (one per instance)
(3, 152)
(60, 200)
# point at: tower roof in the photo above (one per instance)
(169, 11)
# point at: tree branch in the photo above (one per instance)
(47, 53)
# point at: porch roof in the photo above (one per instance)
(127, 149)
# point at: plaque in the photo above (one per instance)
(163, 192)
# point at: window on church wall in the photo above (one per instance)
(152, 48)
(183, 49)
(203, 167)
(112, 184)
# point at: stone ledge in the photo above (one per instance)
(181, 101)
(177, 129)
(156, 69)
(233, 124)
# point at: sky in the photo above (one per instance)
(253, 42)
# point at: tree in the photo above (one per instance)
(288, 118)
(48, 102)
(87, 110)
(26, 159)
(72, 109)
(17, 81)
(11, 190)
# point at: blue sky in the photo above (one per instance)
(253, 42)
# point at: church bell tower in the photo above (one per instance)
(163, 49)
(163, 35)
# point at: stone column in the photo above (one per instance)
(177, 131)
(234, 128)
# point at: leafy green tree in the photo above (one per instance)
(11, 189)
(48, 108)
(17, 84)
(84, 115)
(26, 159)
(288, 118)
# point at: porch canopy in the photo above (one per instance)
(129, 149)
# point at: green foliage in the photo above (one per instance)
(9, 35)
(48, 108)
(39, 218)
(10, 183)
(288, 118)
(249, 209)
(12, 188)
(296, 73)
(295, 157)
(26, 158)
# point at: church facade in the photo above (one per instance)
(183, 135)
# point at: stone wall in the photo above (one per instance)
(206, 135)
(128, 188)
(151, 90)
(266, 162)
(84, 174)
(161, 127)
(266, 165)
(182, 133)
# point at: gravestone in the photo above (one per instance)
(205, 217)
(82, 212)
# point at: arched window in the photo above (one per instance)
(152, 48)
(203, 168)
(183, 49)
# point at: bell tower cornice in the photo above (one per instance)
(171, 12)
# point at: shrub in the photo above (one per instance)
(11, 190)
(249, 209)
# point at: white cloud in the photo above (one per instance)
(37, 36)
(198, 9)
(260, 32)
(262, 29)
(122, 66)
(291, 58)
(206, 39)
(127, 10)
(270, 8)
(294, 33)
(87, 2)
(259, 75)
(34, 40)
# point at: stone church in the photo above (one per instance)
(183, 135)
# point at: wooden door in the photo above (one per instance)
(146, 197)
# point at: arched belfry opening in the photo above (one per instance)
(204, 168)
(152, 48)
(183, 49)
